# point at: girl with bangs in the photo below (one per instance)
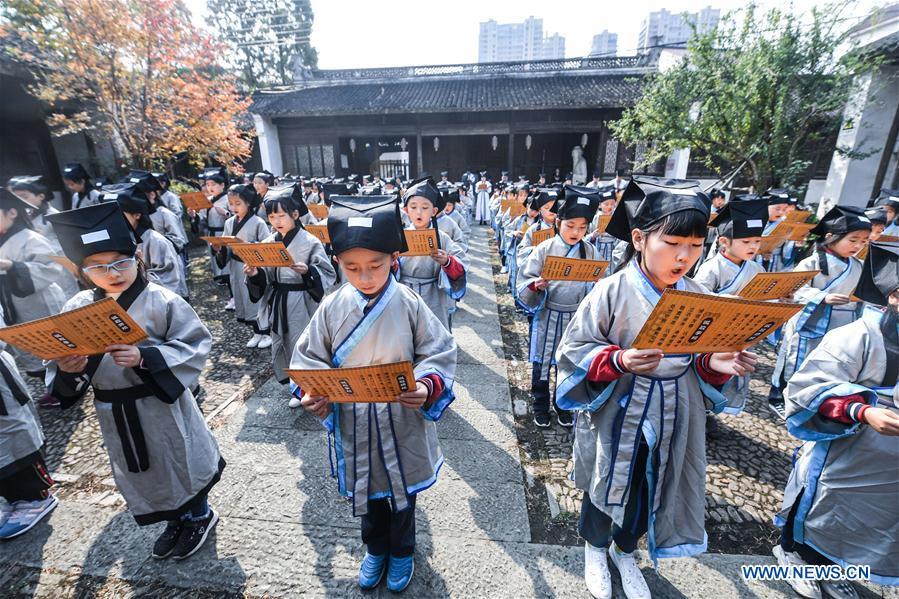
(290, 294)
(639, 447)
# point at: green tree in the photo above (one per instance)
(760, 91)
(268, 40)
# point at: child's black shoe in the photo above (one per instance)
(165, 544)
(194, 535)
(542, 420)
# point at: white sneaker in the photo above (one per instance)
(810, 589)
(294, 402)
(838, 589)
(254, 341)
(264, 341)
(632, 580)
(596, 572)
(504, 269)
(230, 305)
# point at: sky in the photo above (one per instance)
(366, 33)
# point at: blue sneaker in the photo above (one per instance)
(399, 574)
(372, 570)
(25, 514)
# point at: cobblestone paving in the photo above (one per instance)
(748, 455)
(74, 447)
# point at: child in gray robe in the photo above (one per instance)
(29, 286)
(440, 277)
(386, 453)
(164, 458)
(827, 297)
(24, 480)
(843, 402)
(738, 234)
(553, 303)
(290, 294)
(156, 252)
(249, 228)
(639, 447)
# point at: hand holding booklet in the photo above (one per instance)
(684, 322)
(366, 384)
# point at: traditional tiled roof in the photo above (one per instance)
(405, 90)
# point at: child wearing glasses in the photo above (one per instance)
(164, 458)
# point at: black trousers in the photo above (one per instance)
(29, 483)
(788, 543)
(540, 390)
(597, 528)
(385, 531)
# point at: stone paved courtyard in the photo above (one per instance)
(499, 523)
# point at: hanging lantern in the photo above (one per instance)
(494, 142)
(352, 145)
(584, 140)
(527, 142)
(403, 144)
(436, 144)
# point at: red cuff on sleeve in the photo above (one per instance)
(454, 269)
(707, 374)
(837, 408)
(435, 384)
(606, 367)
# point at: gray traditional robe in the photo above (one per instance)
(215, 226)
(171, 201)
(667, 409)
(290, 298)
(253, 230)
(29, 290)
(449, 226)
(165, 222)
(89, 199)
(512, 261)
(526, 245)
(804, 331)
(381, 449)
(848, 474)
(722, 277)
(429, 280)
(605, 243)
(460, 219)
(162, 453)
(554, 306)
(21, 436)
(162, 261)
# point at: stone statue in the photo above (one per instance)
(579, 166)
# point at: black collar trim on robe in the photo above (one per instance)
(128, 296)
(239, 223)
(291, 235)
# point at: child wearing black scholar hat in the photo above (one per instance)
(154, 251)
(648, 483)
(552, 303)
(842, 233)
(392, 446)
(604, 243)
(29, 279)
(212, 221)
(843, 403)
(249, 228)
(290, 294)
(164, 458)
(440, 277)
